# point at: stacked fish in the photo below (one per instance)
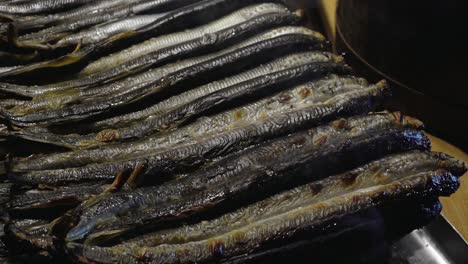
(191, 131)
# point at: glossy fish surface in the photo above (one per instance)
(299, 96)
(199, 131)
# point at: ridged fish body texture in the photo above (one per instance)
(61, 97)
(391, 167)
(31, 7)
(166, 55)
(192, 155)
(187, 16)
(278, 45)
(300, 96)
(323, 150)
(160, 42)
(286, 224)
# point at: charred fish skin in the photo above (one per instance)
(299, 96)
(215, 198)
(121, 121)
(253, 87)
(57, 99)
(38, 6)
(28, 223)
(340, 128)
(189, 153)
(28, 234)
(101, 32)
(60, 197)
(280, 44)
(5, 194)
(392, 167)
(211, 61)
(355, 102)
(185, 97)
(224, 37)
(44, 38)
(188, 16)
(68, 97)
(5, 189)
(28, 239)
(277, 227)
(70, 15)
(157, 73)
(420, 183)
(156, 43)
(264, 164)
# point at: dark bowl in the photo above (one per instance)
(419, 47)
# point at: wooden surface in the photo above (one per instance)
(456, 206)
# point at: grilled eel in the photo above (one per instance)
(188, 16)
(239, 115)
(259, 85)
(301, 209)
(202, 44)
(12, 60)
(392, 167)
(37, 234)
(185, 97)
(58, 99)
(268, 166)
(68, 196)
(163, 41)
(33, 237)
(106, 30)
(364, 235)
(40, 6)
(4, 193)
(75, 194)
(71, 15)
(296, 97)
(196, 153)
(264, 50)
(176, 115)
(45, 241)
(45, 38)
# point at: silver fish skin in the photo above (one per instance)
(43, 38)
(282, 225)
(179, 114)
(305, 94)
(121, 71)
(57, 98)
(73, 113)
(267, 164)
(70, 15)
(191, 15)
(343, 104)
(69, 195)
(9, 68)
(39, 6)
(392, 167)
(157, 43)
(259, 84)
(195, 93)
(101, 32)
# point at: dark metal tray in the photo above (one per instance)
(436, 243)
